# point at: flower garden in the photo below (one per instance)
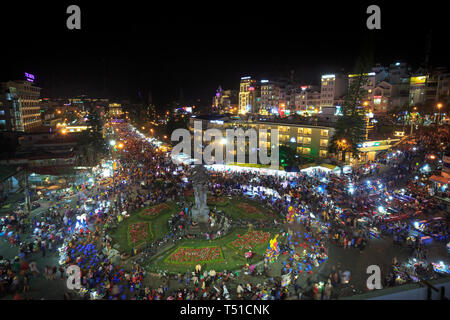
(138, 233)
(217, 201)
(227, 252)
(250, 240)
(154, 211)
(190, 255)
(248, 208)
(131, 232)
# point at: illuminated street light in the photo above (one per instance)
(112, 143)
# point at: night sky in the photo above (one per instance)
(127, 48)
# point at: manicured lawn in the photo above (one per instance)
(158, 225)
(242, 208)
(232, 259)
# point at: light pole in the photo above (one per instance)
(439, 106)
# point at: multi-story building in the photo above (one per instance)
(270, 97)
(437, 87)
(115, 110)
(417, 87)
(225, 101)
(307, 99)
(380, 97)
(333, 87)
(367, 87)
(247, 96)
(20, 106)
(309, 140)
(399, 78)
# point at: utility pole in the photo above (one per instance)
(27, 193)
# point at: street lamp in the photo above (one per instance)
(439, 106)
(112, 143)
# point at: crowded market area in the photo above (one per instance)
(303, 235)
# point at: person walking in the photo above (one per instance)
(328, 290)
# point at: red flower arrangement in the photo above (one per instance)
(248, 208)
(138, 232)
(250, 240)
(186, 255)
(155, 210)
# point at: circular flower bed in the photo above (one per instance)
(250, 240)
(187, 255)
(138, 233)
(248, 208)
(154, 211)
(217, 201)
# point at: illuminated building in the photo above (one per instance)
(399, 78)
(381, 97)
(417, 87)
(310, 140)
(247, 95)
(307, 99)
(115, 110)
(225, 101)
(20, 106)
(443, 180)
(270, 97)
(438, 87)
(333, 87)
(367, 87)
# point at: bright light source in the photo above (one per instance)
(112, 143)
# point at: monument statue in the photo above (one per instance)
(199, 177)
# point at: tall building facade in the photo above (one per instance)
(399, 78)
(333, 88)
(225, 101)
(307, 99)
(20, 109)
(247, 96)
(270, 97)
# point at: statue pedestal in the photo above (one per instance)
(200, 215)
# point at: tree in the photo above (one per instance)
(94, 135)
(288, 155)
(176, 122)
(350, 129)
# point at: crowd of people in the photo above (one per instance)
(343, 210)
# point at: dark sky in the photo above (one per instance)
(126, 47)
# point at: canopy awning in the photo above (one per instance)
(440, 179)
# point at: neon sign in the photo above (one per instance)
(29, 77)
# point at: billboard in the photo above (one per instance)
(418, 80)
